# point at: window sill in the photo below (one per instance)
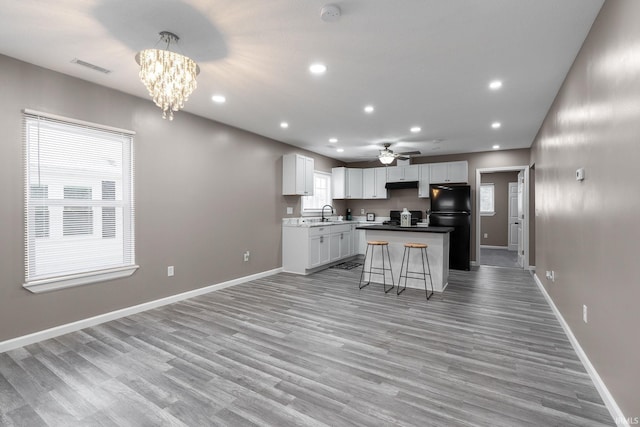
(487, 213)
(62, 282)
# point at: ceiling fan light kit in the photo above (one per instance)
(168, 76)
(386, 157)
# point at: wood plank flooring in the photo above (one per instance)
(292, 350)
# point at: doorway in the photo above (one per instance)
(502, 232)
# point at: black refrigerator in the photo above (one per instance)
(451, 207)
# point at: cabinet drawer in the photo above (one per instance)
(319, 231)
(342, 228)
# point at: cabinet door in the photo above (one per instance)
(345, 244)
(411, 173)
(300, 175)
(395, 174)
(354, 240)
(308, 176)
(381, 180)
(423, 183)
(334, 246)
(314, 252)
(338, 184)
(369, 183)
(458, 171)
(438, 173)
(354, 183)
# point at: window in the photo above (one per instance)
(487, 199)
(321, 194)
(79, 205)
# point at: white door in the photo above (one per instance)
(514, 219)
(520, 218)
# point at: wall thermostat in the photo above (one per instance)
(580, 174)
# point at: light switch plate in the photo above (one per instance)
(289, 210)
(580, 174)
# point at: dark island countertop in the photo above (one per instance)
(413, 228)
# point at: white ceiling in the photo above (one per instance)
(419, 62)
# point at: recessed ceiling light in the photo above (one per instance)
(219, 99)
(495, 147)
(318, 68)
(340, 150)
(333, 140)
(368, 109)
(284, 125)
(495, 85)
(496, 125)
(415, 129)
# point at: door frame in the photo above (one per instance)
(525, 207)
(509, 229)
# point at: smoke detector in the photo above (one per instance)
(330, 13)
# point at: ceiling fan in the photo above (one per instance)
(387, 156)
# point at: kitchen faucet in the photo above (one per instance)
(323, 218)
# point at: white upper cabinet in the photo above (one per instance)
(403, 173)
(373, 183)
(297, 175)
(354, 184)
(346, 183)
(424, 181)
(449, 172)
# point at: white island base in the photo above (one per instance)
(438, 252)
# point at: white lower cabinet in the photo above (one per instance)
(307, 248)
(319, 251)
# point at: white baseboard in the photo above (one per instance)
(102, 318)
(506, 248)
(612, 406)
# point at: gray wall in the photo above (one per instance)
(205, 193)
(407, 198)
(497, 226)
(588, 232)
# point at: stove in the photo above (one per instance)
(394, 218)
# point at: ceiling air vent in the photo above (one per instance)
(89, 65)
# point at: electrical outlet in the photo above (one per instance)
(486, 235)
(289, 210)
(361, 211)
(170, 271)
(246, 256)
(584, 313)
(550, 275)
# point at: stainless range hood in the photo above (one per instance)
(400, 185)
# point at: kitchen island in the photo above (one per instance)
(437, 240)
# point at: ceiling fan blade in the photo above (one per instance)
(410, 153)
(402, 158)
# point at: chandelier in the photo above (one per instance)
(169, 77)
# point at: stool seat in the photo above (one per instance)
(377, 243)
(416, 245)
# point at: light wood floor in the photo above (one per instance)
(293, 350)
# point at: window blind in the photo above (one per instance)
(79, 206)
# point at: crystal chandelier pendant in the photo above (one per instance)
(168, 76)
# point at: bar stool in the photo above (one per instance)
(380, 270)
(423, 274)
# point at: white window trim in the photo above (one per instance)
(493, 212)
(316, 212)
(85, 278)
(62, 282)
